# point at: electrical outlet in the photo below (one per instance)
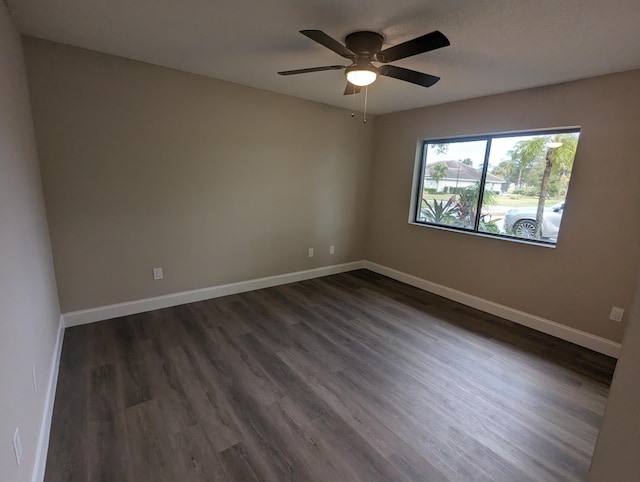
(34, 374)
(332, 249)
(157, 273)
(311, 252)
(616, 314)
(17, 445)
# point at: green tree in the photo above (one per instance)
(563, 160)
(439, 171)
(467, 162)
(525, 154)
(547, 159)
(440, 148)
(506, 170)
(560, 152)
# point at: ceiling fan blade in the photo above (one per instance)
(312, 69)
(351, 89)
(407, 75)
(431, 41)
(332, 44)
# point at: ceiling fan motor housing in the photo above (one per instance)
(364, 44)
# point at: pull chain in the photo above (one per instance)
(353, 105)
(366, 96)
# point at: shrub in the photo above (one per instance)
(440, 212)
(528, 191)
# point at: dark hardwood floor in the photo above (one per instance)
(349, 377)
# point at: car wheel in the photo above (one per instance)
(525, 228)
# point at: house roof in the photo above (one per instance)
(495, 46)
(461, 172)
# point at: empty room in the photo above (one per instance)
(319, 241)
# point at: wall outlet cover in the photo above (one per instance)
(616, 313)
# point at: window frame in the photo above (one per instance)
(419, 172)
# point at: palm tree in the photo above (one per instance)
(564, 156)
(561, 150)
(558, 151)
(525, 154)
(439, 171)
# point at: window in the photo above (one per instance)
(504, 185)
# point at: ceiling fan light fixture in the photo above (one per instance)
(361, 76)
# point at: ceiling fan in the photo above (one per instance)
(364, 47)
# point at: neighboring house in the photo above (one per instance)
(460, 175)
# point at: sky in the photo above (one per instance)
(475, 150)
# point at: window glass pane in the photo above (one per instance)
(526, 185)
(451, 183)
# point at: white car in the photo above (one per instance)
(521, 222)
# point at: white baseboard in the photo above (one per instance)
(140, 306)
(45, 424)
(587, 340)
(582, 338)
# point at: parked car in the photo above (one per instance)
(521, 222)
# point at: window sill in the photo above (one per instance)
(541, 244)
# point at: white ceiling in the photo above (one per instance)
(496, 45)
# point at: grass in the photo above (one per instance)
(507, 201)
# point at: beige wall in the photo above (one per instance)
(596, 261)
(616, 454)
(145, 166)
(29, 314)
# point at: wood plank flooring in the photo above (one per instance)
(349, 377)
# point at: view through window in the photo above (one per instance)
(507, 185)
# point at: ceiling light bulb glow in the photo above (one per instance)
(361, 78)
